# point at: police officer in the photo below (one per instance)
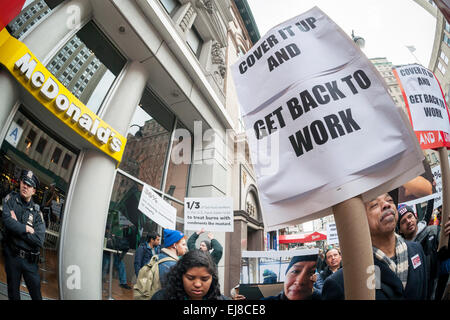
(24, 236)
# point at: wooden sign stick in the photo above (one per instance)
(445, 170)
(356, 248)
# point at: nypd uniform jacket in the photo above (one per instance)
(26, 214)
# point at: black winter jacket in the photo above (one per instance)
(391, 288)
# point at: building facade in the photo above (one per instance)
(156, 71)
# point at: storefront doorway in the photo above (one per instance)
(29, 145)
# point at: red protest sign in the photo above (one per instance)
(426, 105)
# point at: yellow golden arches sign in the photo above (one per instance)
(37, 80)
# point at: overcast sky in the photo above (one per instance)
(386, 25)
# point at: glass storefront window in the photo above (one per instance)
(87, 65)
(125, 228)
(144, 162)
(22, 150)
(178, 172)
(148, 141)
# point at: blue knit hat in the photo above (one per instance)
(171, 237)
(294, 260)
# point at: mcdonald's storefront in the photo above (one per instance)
(91, 100)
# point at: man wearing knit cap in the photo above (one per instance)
(428, 236)
(207, 245)
(400, 267)
(173, 248)
(299, 281)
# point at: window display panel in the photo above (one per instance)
(29, 146)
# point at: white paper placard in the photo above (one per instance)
(332, 235)
(313, 102)
(154, 207)
(212, 214)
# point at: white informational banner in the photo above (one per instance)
(332, 235)
(212, 214)
(14, 133)
(322, 127)
(426, 105)
(158, 210)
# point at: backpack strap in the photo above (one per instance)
(166, 259)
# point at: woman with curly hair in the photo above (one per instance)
(194, 277)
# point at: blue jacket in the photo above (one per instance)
(143, 255)
(165, 267)
(391, 287)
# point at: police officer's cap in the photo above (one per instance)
(30, 178)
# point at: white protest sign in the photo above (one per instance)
(154, 207)
(438, 178)
(332, 235)
(14, 133)
(426, 105)
(213, 214)
(317, 105)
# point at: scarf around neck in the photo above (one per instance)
(401, 253)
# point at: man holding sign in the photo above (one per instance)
(400, 266)
(309, 98)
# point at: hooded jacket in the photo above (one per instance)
(165, 267)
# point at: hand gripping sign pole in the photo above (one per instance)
(316, 107)
(429, 116)
(356, 249)
(443, 155)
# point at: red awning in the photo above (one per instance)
(302, 238)
(9, 10)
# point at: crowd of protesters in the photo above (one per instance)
(405, 251)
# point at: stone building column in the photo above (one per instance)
(10, 94)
